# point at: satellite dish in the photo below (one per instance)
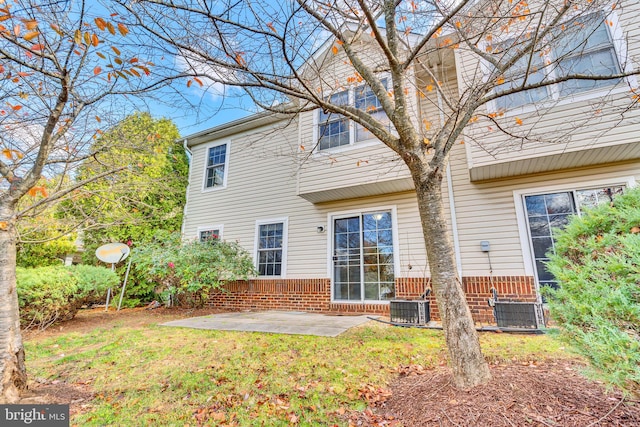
(112, 253)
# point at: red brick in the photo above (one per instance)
(315, 295)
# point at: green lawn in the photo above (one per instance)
(153, 375)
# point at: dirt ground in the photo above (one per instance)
(545, 394)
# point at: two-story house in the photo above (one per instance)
(330, 213)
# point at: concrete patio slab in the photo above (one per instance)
(277, 322)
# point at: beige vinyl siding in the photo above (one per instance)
(269, 167)
(261, 184)
(573, 123)
(353, 166)
(587, 129)
(429, 104)
(487, 211)
(362, 162)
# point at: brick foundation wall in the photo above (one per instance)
(274, 294)
(314, 295)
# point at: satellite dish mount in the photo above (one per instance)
(113, 253)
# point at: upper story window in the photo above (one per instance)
(334, 130)
(583, 46)
(587, 48)
(216, 166)
(515, 76)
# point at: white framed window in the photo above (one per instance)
(366, 100)
(335, 131)
(210, 233)
(216, 166)
(364, 256)
(542, 211)
(585, 45)
(514, 77)
(271, 247)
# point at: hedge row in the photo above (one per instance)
(55, 293)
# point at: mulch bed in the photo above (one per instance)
(546, 394)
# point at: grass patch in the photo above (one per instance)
(152, 375)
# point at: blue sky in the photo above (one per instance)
(214, 110)
(213, 106)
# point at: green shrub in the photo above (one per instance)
(44, 294)
(55, 293)
(597, 304)
(93, 282)
(44, 254)
(187, 271)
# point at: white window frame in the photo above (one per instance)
(285, 238)
(554, 99)
(334, 117)
(493, 104)
(352, 125)
(521, 213)
(219, 227)
(208, 147)
(330, 241)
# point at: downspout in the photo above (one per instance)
(186, 196)
(452, 204)
(298, 164)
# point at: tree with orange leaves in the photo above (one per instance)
(67, 69)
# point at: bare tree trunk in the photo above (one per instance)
(466, 360)
(13, 374)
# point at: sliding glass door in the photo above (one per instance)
(363, 267)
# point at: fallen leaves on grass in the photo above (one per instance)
(208, 415)
(374, 396)
(408, 370)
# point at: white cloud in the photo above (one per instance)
(212, 77)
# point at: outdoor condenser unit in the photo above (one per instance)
(514, 314)
(409, 312)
